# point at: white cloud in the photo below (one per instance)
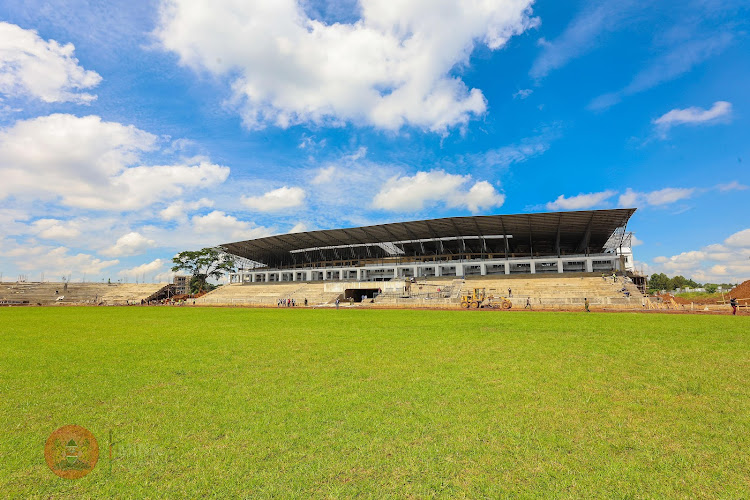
(664, 196)
(523, 94)
(132, 243)
(720, 262)
(392, 67)
(46, 70)
(680, 58)
(148, 269)
(276, 200)
(89, 163)
(325, 174)
(581, 201)
(299, 227)
(740, 239)
(179, 209)
(433, 187)
(581, 35)
(508, 155)
(731, 186)
(694, 116)
(217, 227)
(57, 261)
(53, 229)
(668, 195)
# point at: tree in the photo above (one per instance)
(711, 288)
(203, 264)
(658, 281)
(677, 282)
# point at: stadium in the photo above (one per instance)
(552, 259)
(562, 242)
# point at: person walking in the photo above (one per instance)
(510, 292)
(733, 303)
(337, 302)
(586, 304)
(528, 303)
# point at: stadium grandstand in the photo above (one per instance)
(590, 241)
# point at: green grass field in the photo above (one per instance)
(324, 403)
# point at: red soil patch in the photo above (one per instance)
(741, 291)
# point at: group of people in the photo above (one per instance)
(287, 303)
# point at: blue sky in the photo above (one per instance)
(131, 131)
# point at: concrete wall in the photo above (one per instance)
(384, 273)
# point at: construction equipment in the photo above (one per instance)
(478, 298)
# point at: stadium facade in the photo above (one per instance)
(590, 241)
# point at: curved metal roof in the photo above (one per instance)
(574, 232)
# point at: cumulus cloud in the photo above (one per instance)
(299, 227)
(720, 262)
(694, 116)
(436, 187)
(132, 243)
(581, 201)
(155, 266)
(393, 66)
(179, 209)
(218, 226)
(325, 174)
(46, 70)
(58, 261)
(740, 239)
(90, 163)
(659, 197)
(53, 229)
(276, 200)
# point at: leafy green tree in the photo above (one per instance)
(677, 282)
(202, 265)
(711, 287)
(659, 281)
(692, 284)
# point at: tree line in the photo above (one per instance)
(660, 281)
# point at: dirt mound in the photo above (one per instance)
(741, 291)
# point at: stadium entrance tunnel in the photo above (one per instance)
(358, 293)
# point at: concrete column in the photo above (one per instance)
(416, 271)
(294, 275)
(266, 277)
(437, 270)
(395, 272)
(533, 267)
(507, 267)
(308, 275)
(483, 269)
(559, 265)
(589, 265)
(459, 269)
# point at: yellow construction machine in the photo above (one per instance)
(477, 298)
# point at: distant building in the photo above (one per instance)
(182, 285)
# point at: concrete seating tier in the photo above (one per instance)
(76, 293)
(268, 294)
(559, 290)
(543, 291)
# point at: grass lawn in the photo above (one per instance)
(325, 403)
